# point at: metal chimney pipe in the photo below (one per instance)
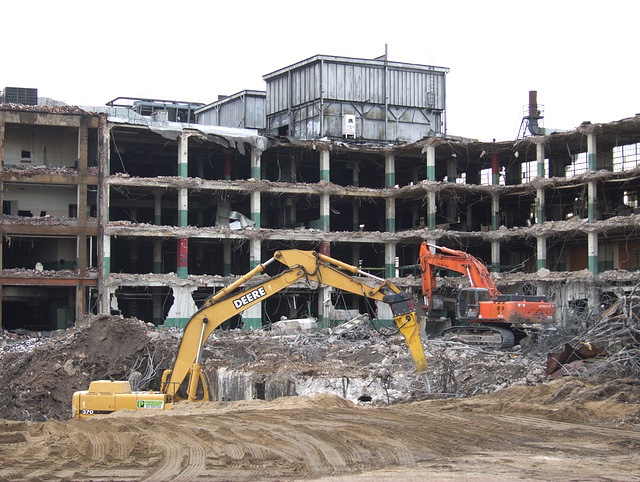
(533, 102)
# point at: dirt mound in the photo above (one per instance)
(614, 402)
(39, 380)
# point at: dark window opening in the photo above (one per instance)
(25, 214)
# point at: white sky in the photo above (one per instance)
(579, 55)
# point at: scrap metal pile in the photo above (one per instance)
(608, 344)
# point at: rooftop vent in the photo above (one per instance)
(21, 95)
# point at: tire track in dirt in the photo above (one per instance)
(170, 456)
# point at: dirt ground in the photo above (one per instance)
(522, 427)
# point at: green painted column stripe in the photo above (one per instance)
(540, 216)
(107, 266)
(157, 220)
(495, 222)
(324, 175)
(226, 269)
(496, 179)
(592, 212)
(542, 263)
(593, 264)
(389, 270)
(253, 263)
(541, 169)
(431, 173)
(390, 179)
(182, 218)
(495, 268)
(183, 272)
(391, 225)
(593, 161)
(183, 169)
(157, 267)
(326, 223)
(255, 172)
(432, 220)
(255, 217)
(252, 323)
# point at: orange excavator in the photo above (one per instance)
(492, 319)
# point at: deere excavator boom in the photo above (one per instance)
(313, 267)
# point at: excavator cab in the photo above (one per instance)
(468, 307)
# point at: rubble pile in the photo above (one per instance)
(609, 344)
(39, 375)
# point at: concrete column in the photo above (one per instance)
(389, 169)
(495, 169)
(183, 155)
(157, 255)
(227, 165)
(495, 225)
(390, 260)
(355, 255)
(540, 155)
(356, 215)
(592, 153)
(183, 206)
(390, 215)
(495, 256)
(325, 212)
(541, 252)
(256, 164)
(183, 258)
(157, 208)
(540, 206)
(592, 238)
(293, 169)
(106, 255)
(324, 306)
(183, 307)
(226, 257)
(324, 165)
(104, 246)
(431, 176)
(252, 316)
(2, 130)
(452, 169)
(540, 198)
(495, 212)
(255, 195)
(431, 199)
(157, 301)
(355, 181)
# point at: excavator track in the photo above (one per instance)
(482, 335)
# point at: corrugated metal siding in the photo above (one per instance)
(337, 86)
(243, 111)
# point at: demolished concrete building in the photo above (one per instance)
(107, 210)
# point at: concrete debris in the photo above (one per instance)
(34, 170)
(45, 220)
(46, 273)
(59, 109)
(291, 326)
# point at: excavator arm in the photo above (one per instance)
(453, 260)
(315, 269)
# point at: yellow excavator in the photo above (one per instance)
(106, 396)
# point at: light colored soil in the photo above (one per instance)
(563, 430)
